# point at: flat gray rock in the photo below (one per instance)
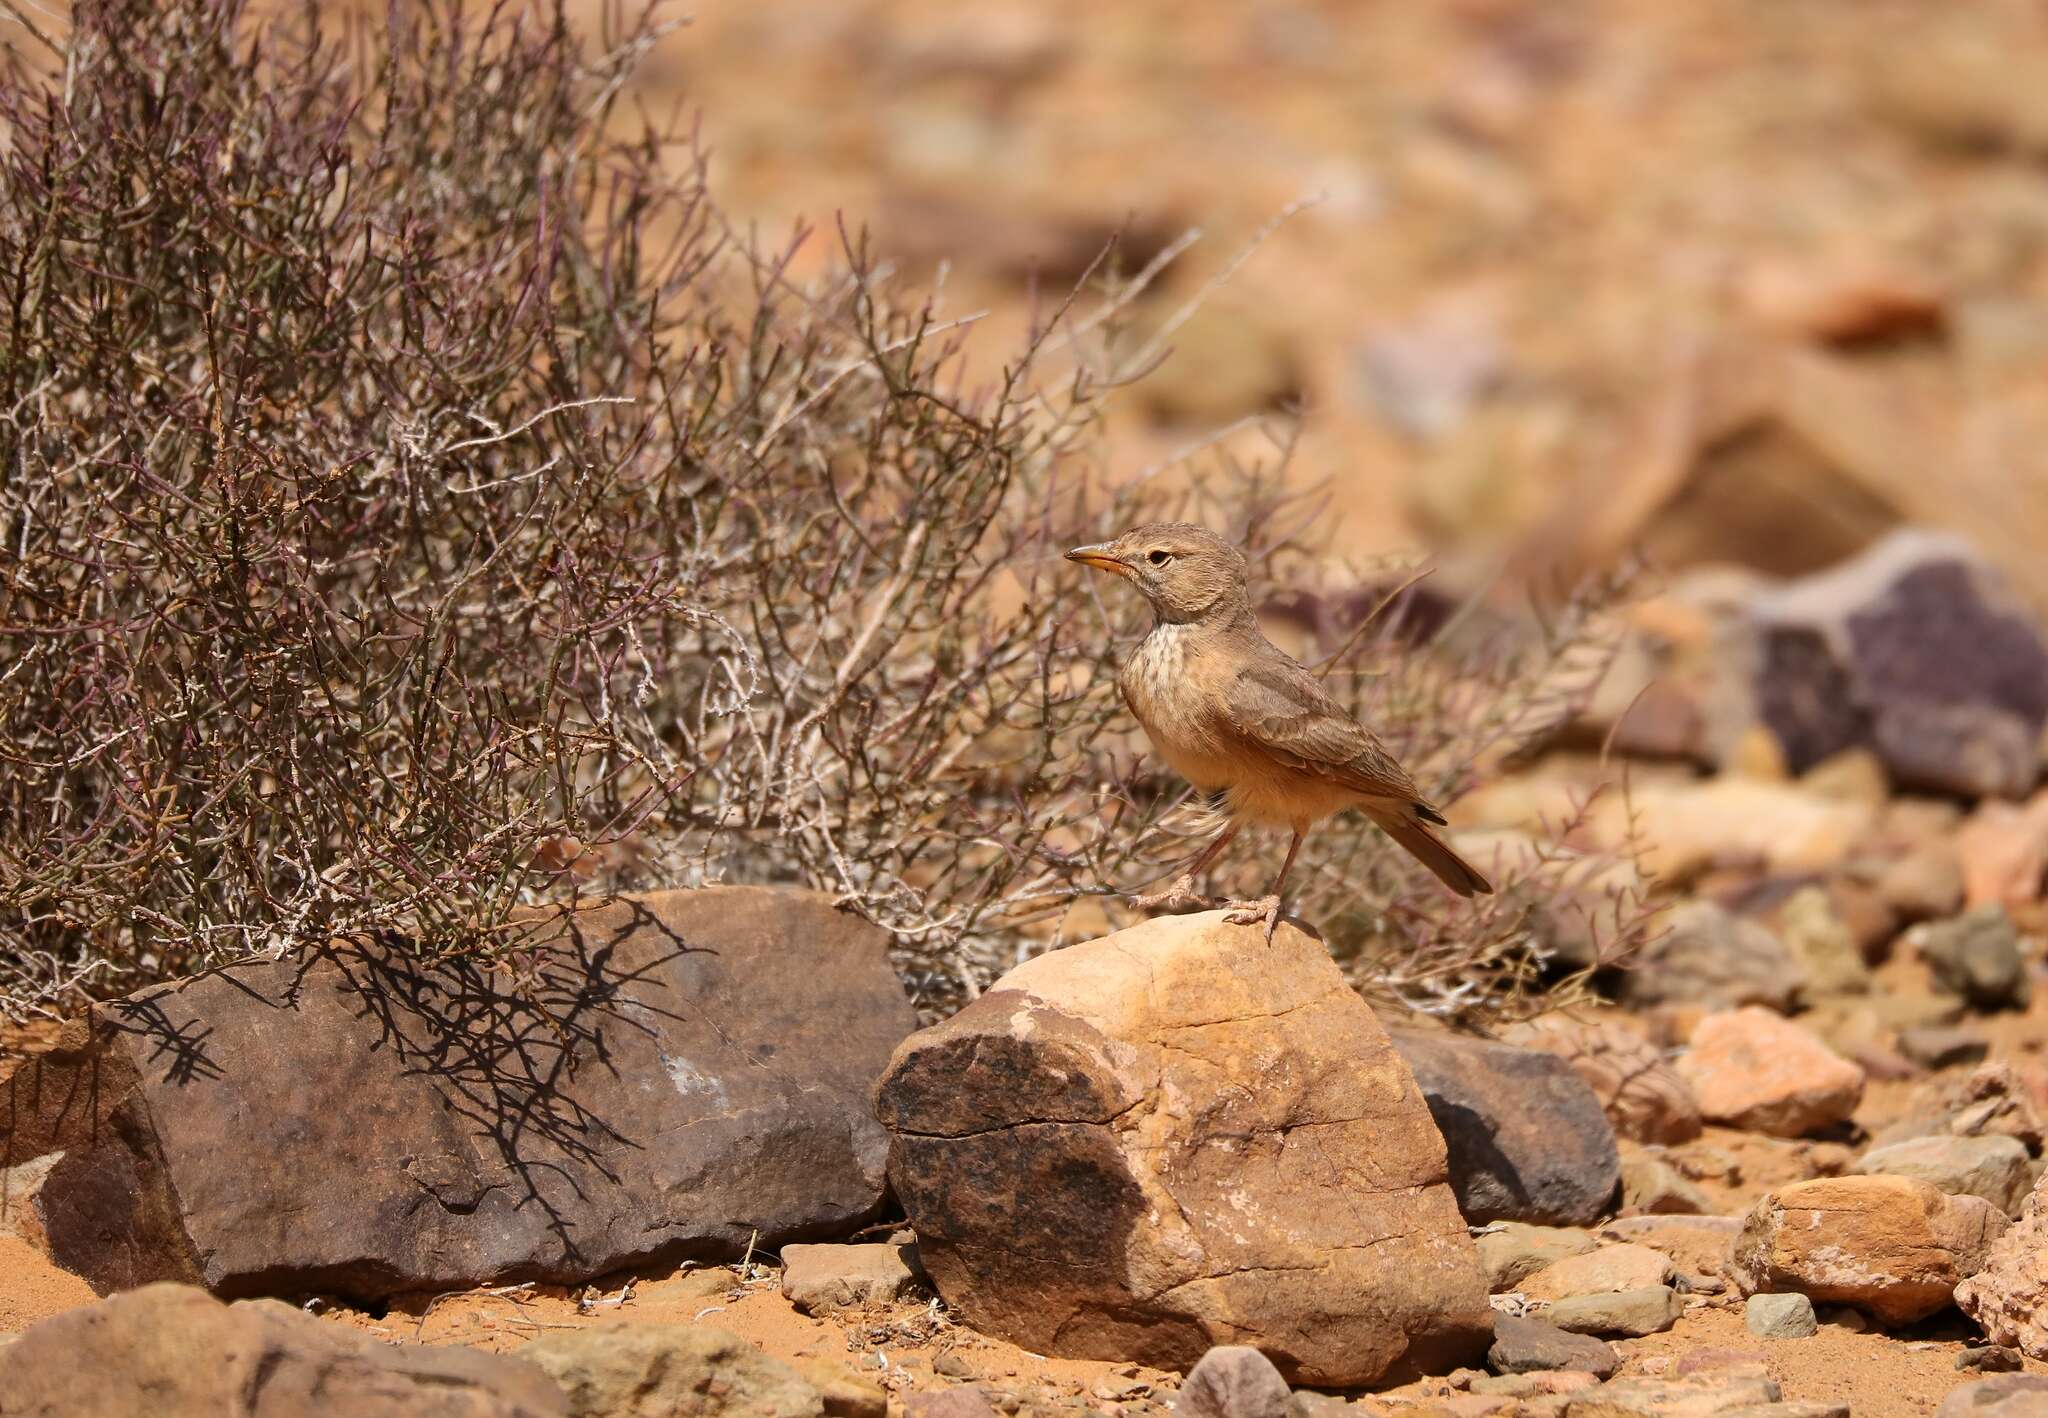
(1994, 1166)
(1527, 1346)
(1651, 1309)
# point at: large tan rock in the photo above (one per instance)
(1894, 1247)
(172, 1351)
(2008, 1297)
(1180, 1136)
(1754, 1069)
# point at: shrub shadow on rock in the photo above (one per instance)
(657, 1078)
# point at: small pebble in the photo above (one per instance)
(1779, 1316)
(1989, 1359)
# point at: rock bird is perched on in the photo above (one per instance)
(1235, 715)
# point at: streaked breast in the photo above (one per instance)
(1157, 684)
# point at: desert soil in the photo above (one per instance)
(910, 1347)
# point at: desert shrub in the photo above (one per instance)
(418, 499)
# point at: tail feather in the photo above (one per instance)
(1399, 821)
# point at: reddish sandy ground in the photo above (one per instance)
(1882, 1376)
(910, 1347)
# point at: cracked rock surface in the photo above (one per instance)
(1894, 1247)
(679, 1070)
(2008, 1296)
(1179, 1136)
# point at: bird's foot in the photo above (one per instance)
(1264, 911)
(1181, 896)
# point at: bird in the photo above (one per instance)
(1247, 724)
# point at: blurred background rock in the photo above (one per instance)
(1742, 282)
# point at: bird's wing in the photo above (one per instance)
(1278, 707)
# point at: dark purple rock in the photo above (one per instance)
(1917, 650)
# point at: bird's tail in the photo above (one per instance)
(1403, 822)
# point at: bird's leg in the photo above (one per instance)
(1267, 908)
(1182, 896)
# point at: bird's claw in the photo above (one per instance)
(1181, 896)
(1264, 911)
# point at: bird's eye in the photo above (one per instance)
(1160, 558)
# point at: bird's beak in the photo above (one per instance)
(1102, 558)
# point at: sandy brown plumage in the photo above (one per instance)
(1236, 716)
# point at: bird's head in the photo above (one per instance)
(1186, 572)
